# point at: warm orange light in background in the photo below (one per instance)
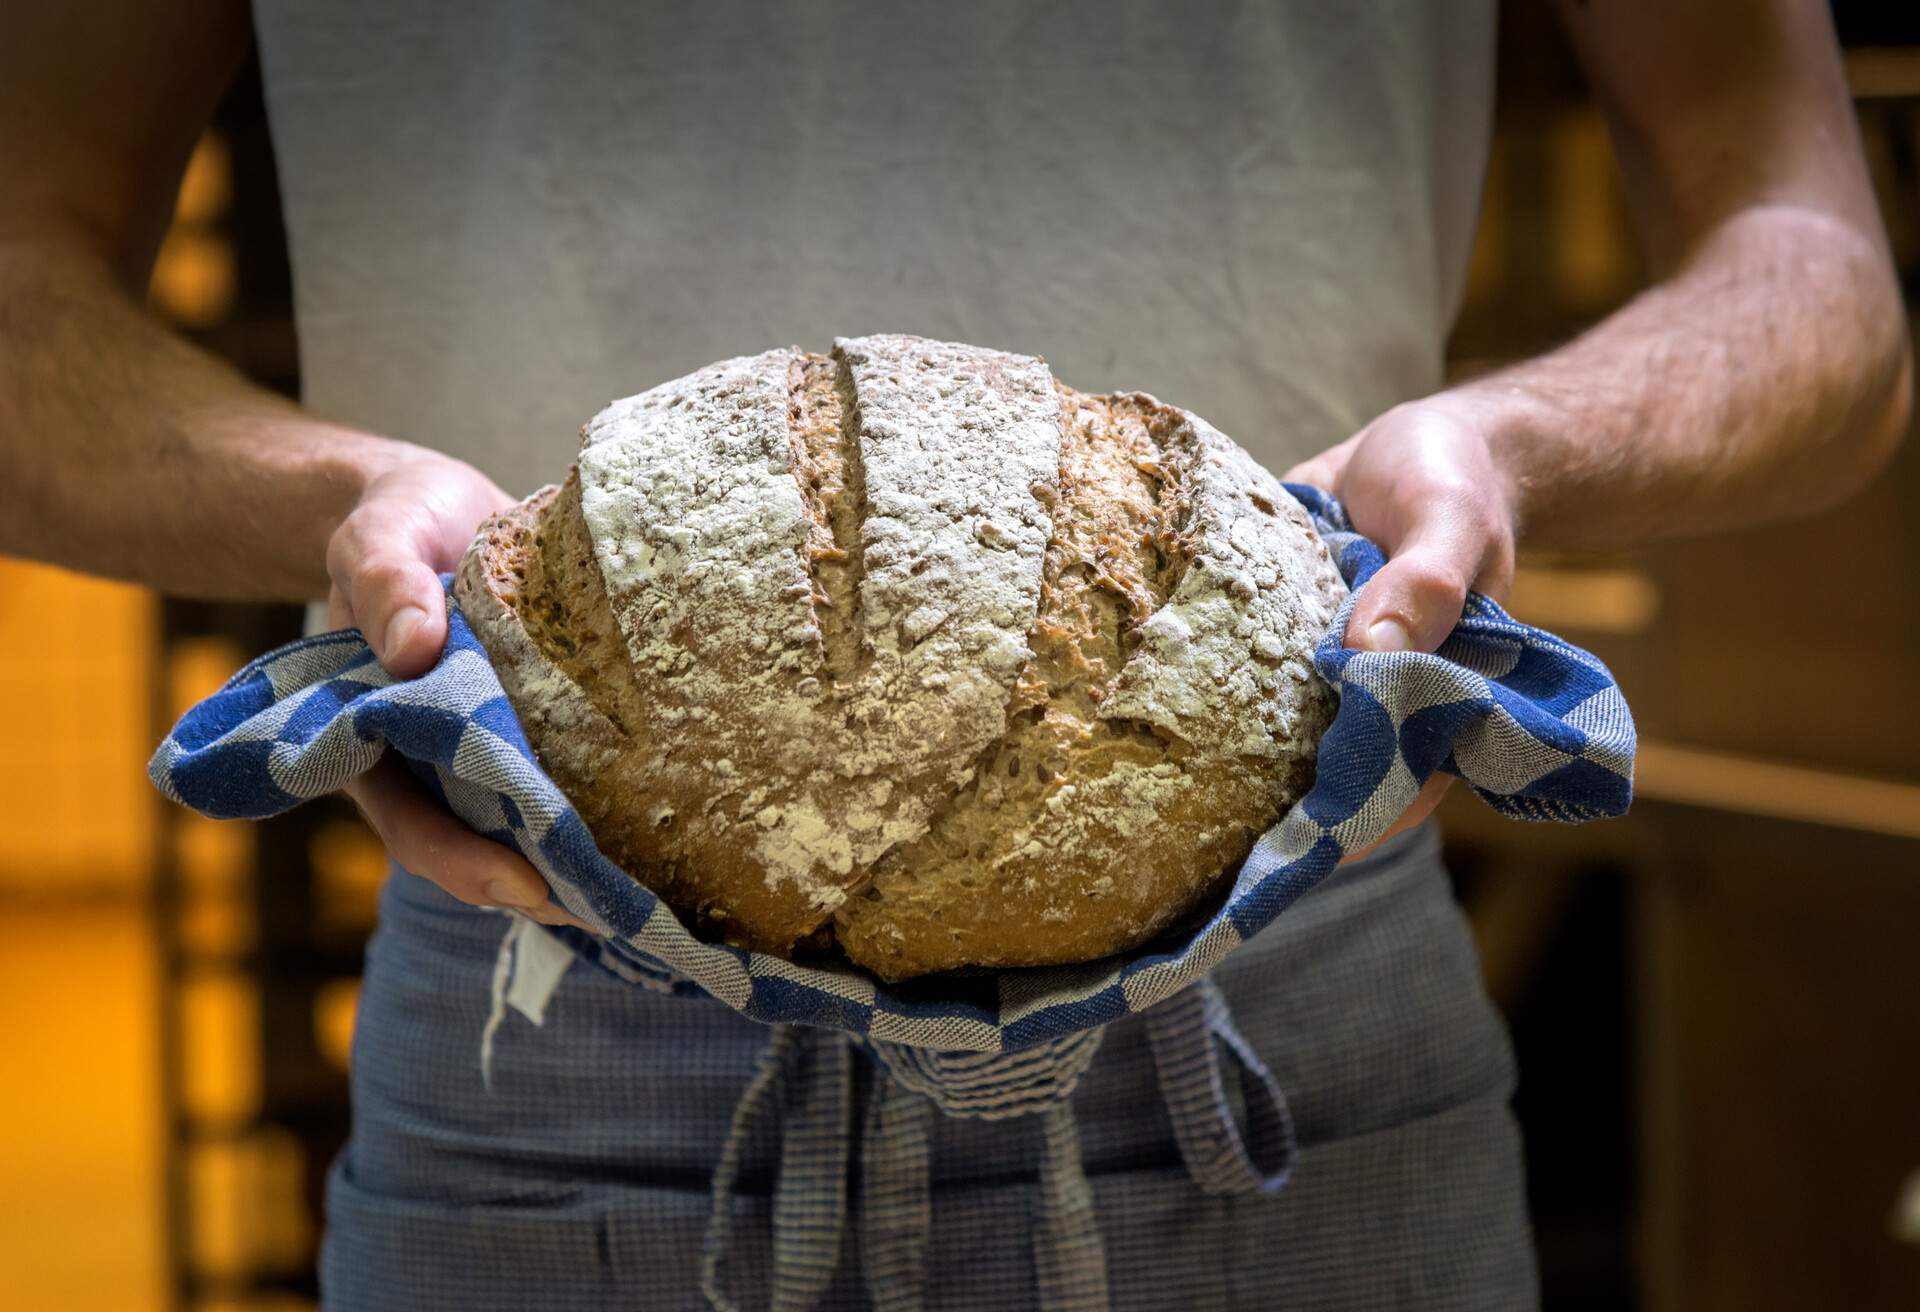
(350, 865)
(333, 1013)
(194, 277)
(1592, 257)
(80, 1173)
(250, 1211)
(81, 1189)
(1579, 601)
(76, 655)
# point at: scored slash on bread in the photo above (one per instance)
(914, 643)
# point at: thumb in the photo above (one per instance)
(1415, 599)
(404, 616)
(389, 591)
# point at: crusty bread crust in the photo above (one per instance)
(911, 646)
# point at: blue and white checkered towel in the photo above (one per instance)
(1534, 724)
(1537, 727)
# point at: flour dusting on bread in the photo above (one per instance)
(912, 641)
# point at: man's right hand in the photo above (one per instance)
(128, 452)
(413, 521)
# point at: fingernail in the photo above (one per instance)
(1389, 635)
(514, 893)
(405, 623)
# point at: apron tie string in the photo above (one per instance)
(1186, 1034)
(896, 1207)
(804, 1079)
(1069, 1257)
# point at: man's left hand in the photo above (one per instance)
(1422, 483)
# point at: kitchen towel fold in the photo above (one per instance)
(1536, 726)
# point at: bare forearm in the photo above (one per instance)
(127, 451)
(1767, 376)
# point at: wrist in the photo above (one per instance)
(1512, 421)
(334, 468)
(359, 460)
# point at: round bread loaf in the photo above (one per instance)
(911, 648)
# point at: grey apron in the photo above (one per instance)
(577, 1173)
(501, 214)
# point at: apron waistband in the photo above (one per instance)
(804, 1082)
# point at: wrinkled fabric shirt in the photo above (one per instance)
(504, 214)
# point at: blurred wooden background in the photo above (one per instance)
(1713, 999)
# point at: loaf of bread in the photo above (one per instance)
(913, 650)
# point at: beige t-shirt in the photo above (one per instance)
(504, 214)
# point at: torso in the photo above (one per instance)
(504, 216)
